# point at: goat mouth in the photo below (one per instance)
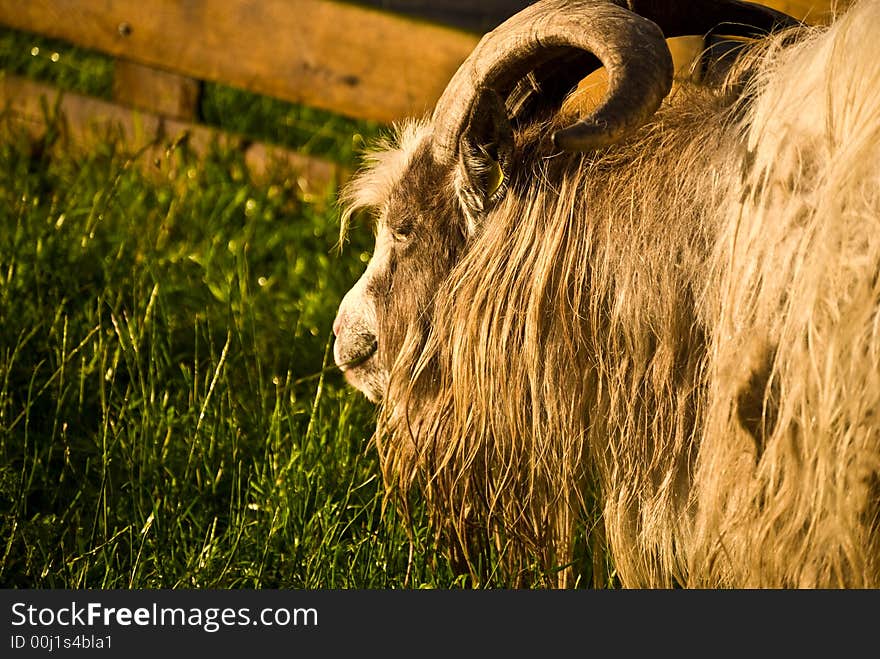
(360, 359)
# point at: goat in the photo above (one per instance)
(663, 312)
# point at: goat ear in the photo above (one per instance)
(485, 156)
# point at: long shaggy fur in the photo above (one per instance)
(682, 333)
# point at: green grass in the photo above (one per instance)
(166, 415)
(164, 421)
(51, 60)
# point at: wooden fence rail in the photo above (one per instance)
(352, 60)
(85, 119)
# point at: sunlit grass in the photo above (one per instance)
(161, 420)
(166, 415)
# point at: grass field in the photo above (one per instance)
(164, 417)
(168, 416)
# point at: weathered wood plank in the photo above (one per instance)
(169, 94)
(352, 60)
(87, 120)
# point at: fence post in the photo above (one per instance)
(161, 92)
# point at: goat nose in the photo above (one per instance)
(337, 324)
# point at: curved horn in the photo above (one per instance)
(621, 34)
(632, 48)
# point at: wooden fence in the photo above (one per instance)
(379, 60)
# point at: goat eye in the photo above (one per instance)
(402, 231)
